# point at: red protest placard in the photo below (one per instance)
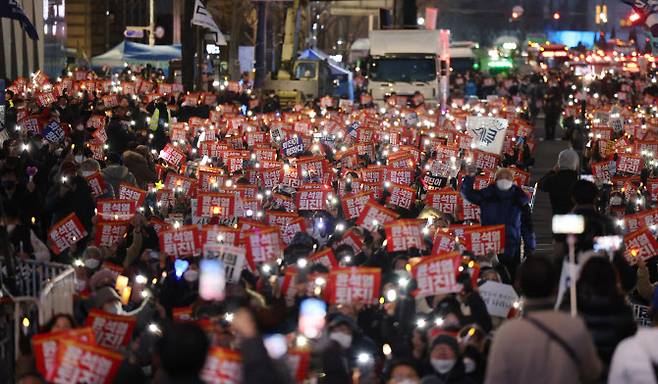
(403, 176)
(165, 198)
(270, 177)
(374, 215)
(130, 192)
(484, 160)
(312, 168)
(296, 226)
(443, 243)
(629, 163)
(641, 219)
(180, 184)
(172, 155)
(180, 242)
(482, 240)
(263, 245)
(443, 200)
(45, 346)
(211, 204)
(77, 362)
(223, 366)
(652, 187)
(521, 177)
(109, 234)
(312, 198)
(324, 257)
(96, 183)
(640, 245)
(354, 203)
(401, 196)
(115, 210)
(436, 274)
(372, 174)
(65, 233)
(298, 361)
(601, 171)
(279, 218)
(219, 234)
(353, 285)
(111, 331)
(402, 235)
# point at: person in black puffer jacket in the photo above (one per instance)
(603, 307)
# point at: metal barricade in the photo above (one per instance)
(41, 289)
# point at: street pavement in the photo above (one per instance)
(546, 154)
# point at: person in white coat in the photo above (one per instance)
(636, 358)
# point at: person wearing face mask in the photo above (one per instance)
(346, 343)
(504, 203)
(447, 362)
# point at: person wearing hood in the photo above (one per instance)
(558, 182)
(116, 173)
(504, 203)
(636, 357)
(446, 359)
(139, 166)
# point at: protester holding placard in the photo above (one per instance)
(504, 203)
(329, 242)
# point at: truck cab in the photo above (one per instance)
(403, 62)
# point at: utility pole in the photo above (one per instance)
(260, 44)
(188, 45)
(151, 22)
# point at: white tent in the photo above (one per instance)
(136, 53)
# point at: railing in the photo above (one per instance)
(40, 290)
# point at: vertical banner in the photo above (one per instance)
(431, 14)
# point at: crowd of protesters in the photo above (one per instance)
(412, 226)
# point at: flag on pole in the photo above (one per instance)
(202, 18)
(12, 9)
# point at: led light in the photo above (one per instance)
(391, 295)
(363, 358)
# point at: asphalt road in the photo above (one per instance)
(546, 154)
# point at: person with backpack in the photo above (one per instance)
(544, 345)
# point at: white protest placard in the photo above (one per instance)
(498, 297)
(234, 258)
(488, 133)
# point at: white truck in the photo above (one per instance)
(409, 60)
